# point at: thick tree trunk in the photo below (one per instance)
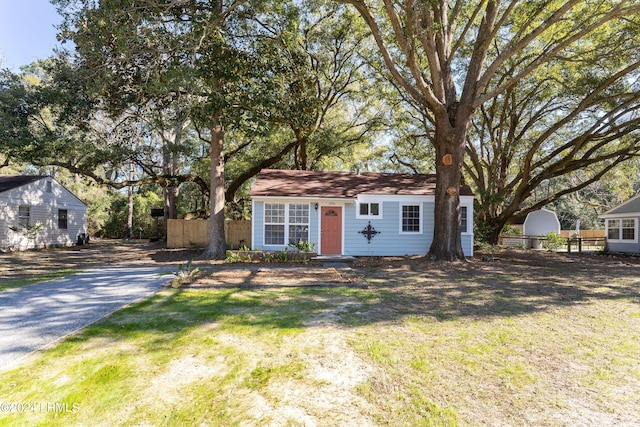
(217, 248)
(450, 139)
(449, 144)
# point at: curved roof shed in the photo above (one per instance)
(541, 223)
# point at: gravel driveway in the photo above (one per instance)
(34, 316)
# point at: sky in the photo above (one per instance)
(27, 32)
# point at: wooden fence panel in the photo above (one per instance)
(583, 233)
(238, 233)
(194, 233)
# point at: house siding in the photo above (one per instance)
(631, 246)
(43, 207)
(258, 224)
(388, 242)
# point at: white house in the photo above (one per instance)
(343, 213)
(621, 226)
(39, 201)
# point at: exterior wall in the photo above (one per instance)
(43, 206)
(389, 242)
(619, 245)
(623, 247)
(257, 227)
(540, 223)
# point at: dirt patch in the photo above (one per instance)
(100, 253)
(272, 276)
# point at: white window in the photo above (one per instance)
(369, 210)
(285, 223)
(24, 215)
(464, 222)
(411, 215)
(298, 223)
(274, 220)
(623, 229)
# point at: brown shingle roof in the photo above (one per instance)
(296, 183)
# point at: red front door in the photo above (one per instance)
(331, 230)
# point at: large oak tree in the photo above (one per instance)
(449, 57)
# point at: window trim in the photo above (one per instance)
(65, 219)
(265, 224)
(21, 217)
(620, 229)
(464, 218)
(287, 224)
(420, 218)
(369, 215)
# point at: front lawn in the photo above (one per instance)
(548, 342)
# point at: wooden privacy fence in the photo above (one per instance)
(194, 233)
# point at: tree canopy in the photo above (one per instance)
(528, 102)
(455, 59)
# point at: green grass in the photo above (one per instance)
(17, 283)
(457, 349)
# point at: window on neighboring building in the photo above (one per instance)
(464, 228)
(411, 218)
(621, 229)
(62, 219)
(286, 223)
(628, 229)
(370, 209)
(24, 216)
(49, 187)
(614, 229)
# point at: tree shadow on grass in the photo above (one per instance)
(477, 289)
(441, 291)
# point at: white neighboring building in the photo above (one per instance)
(32, 200)
(541, 223)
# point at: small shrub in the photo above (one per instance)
(303, 246)
(282, 256)
(184, 272)
(238, 256)
(268, 257)
(232, 257)
(510, 229)
(553, 241)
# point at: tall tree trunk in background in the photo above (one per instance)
(129, 228)
(171, 167)
(217, 248)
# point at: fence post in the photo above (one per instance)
(569, 245)
(579, 245)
